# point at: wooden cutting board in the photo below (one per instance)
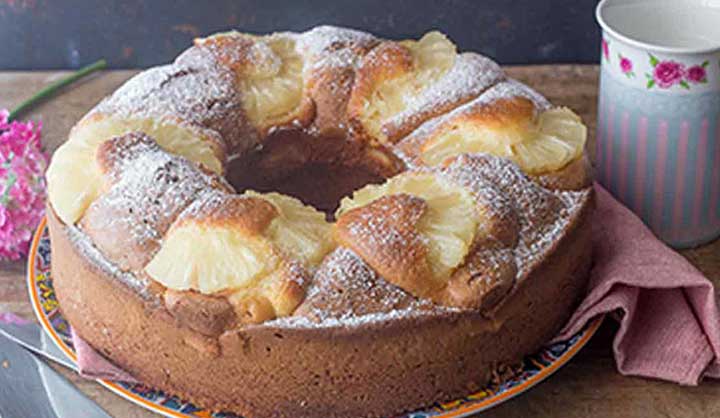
(587, 386)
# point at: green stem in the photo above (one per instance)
(54, 87)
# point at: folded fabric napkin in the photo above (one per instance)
(668, 313)
(94, 366)
(669, 322)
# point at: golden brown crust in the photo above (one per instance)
(128, 221)
(276, 296)
(577, 175)
(385, 234)
(504, 113)
(511, 114)
(501, 113)
(247, 56)
(395, 249)
(385, 62)
(444, 355)
(246, 215)
(330, 86)
(208, 315)
(482, 281)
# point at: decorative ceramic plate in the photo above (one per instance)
(533, 370)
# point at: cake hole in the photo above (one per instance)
(305, 167)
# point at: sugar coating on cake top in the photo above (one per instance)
(327, 47)
(200, 94)
(470, 75)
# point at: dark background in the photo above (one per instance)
(53, 34)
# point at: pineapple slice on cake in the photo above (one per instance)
(394, 74)
(539, 143)
(273, 89)
(210, 258)
(433, 55)
(299, 230)
(74, 178)
(448, 222)
(269, 72)
(255, 248)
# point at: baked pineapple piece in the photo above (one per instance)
(511, 128)
(508, 121)
(256, 249)
(392, 76)
(448, 221)
(147, 189)
(417, 226)
(298, 230)
(74, 178)
(447, 234)
(269, 74)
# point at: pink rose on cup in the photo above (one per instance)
(697, 74)
(626, 66)
(606, 49)
(666, 74)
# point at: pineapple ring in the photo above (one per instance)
(75, 179)
(394, 74)
(434, 219)
(510, 128)
(254, 248)
(269, 71)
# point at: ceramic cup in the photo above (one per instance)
(658, 139)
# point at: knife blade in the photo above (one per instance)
(66, 400)
(32, 337)
(31, 388)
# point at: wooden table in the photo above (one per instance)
(587, 386)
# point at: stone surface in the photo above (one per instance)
(587, 386)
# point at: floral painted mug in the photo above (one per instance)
(658, 138)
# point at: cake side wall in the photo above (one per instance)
(295, 372)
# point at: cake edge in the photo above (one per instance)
(381, 369)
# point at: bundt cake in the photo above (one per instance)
(320, 224)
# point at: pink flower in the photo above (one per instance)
(697, 74)
(606, 49)
(668, 73)
(626, 65)
(22, 185)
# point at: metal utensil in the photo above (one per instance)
(31, 388)
(33, 338)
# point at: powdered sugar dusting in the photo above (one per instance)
(333, 47)
(347, 292)
(150, 188)
(86, 247)
(409, 148)
(543, 214)
(399, 214)
(194, 94)
(470, 75)
(513, 88)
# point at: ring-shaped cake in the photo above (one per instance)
(320, 224)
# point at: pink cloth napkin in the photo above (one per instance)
(94, 366)
(669, 322)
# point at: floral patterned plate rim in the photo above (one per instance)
(534, 368)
